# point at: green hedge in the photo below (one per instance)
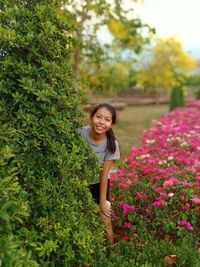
(47, 215)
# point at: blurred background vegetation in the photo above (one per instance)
(115, 52)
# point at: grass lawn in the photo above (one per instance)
(132, 121)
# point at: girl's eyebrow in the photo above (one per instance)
(107, 117)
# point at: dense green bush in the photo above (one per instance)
(14, 211)
(47, 215)
(177, 97)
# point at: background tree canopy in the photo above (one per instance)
(90, 55)
(166, 65)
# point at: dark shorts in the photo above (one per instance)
(95, 190)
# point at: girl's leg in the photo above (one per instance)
(95, 188)
(108, 225)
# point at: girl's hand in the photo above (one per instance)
(106, 208)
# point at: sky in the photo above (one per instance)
(179, 18)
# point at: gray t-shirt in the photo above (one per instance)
(100, 149)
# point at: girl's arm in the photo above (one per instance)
(105, 208)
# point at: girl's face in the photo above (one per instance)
(101, 121)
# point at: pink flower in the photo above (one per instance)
(156, 178)
(126, 208)
(196, 200)
(197, 178)
(120, 173)
(156, 204)
(170, 182)
(158, 189)
(132, 174)
(184, 198)
(163, 195)
(139, 195)
(186, 207)
(127, 225)
(189, 227)
(185, 224)
(186, 184)
(123, 186)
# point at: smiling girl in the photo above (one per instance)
(101, 138)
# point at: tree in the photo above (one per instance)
(111, 77)
(165, 66)
(47, 215)
(89, 17)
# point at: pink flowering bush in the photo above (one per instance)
(156, 192)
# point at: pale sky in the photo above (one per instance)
(179, 18)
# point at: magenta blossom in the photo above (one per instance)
(156, 204)
(124, 186)
(186, 184)
(170, 182)
(139, 195)
(196, 200)
(127, 225)
(185, 224)
(185, 207)
(126, 208)
(158, 189)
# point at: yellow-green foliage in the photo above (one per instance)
(167, 62)
(110, 78)
(117, 28)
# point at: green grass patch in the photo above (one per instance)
(133, 121)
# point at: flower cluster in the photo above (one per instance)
(185, 224)
(160, 179)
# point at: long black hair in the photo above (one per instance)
(111, 145)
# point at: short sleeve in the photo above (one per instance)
(83, 132)
(115, 155)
